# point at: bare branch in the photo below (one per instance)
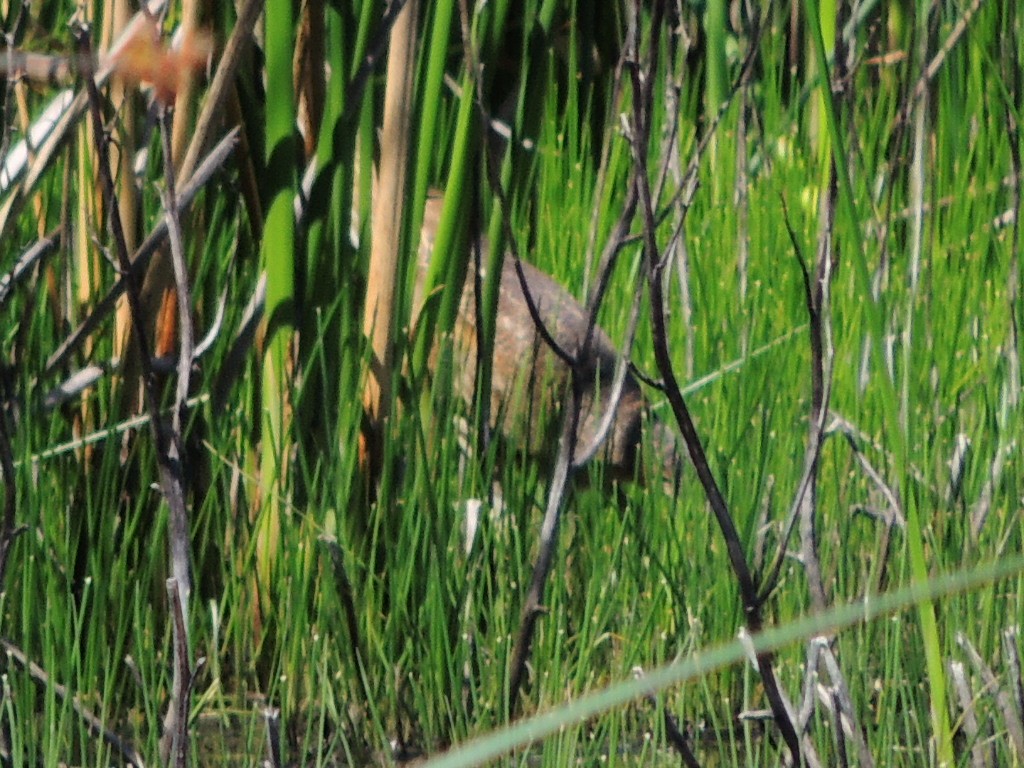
(1004, 700)
(640, 133)
(93, 721)
(140, 259)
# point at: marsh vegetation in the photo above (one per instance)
(250, 516)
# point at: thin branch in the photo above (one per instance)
(141, 258)
(178, 528)
(82, 379)
(690, 177)
(676, 738)
(179, 586)
(642, 104)
(8, 525)
(272, 720)
(618, 382)
(92, 721)
(168, 444)
(532, 608)
(1012, 653)
(174, 744)
(609, 256)
(803, 507)
(846, 714)
(36, 254)
(1004, 699)
(821, 386)
(135, 422)
(968, 718)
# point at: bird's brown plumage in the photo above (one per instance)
(529, 380)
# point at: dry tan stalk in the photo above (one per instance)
(388, 207)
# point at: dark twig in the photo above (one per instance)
(677, 252)
(814, 447)
(179, 587)
(121, 248)
(36, 254)
(676, 738)
(842, 756)
(92, 721)
(819, 316)
(842, 702)
(601, 180)
(8, 530)
(641, 128)
(565, 465)
(140, 259)
(169, 444)
(689, 182)
(816, 293)
(569, 357)
(764, 524)
(805, 506)
(174, 744)
(346, 593)
(622, 367)
(609, 256)
(272, 719)
(532, 608)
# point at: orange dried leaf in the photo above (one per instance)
(145, 58)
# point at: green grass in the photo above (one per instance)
(642, 580)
